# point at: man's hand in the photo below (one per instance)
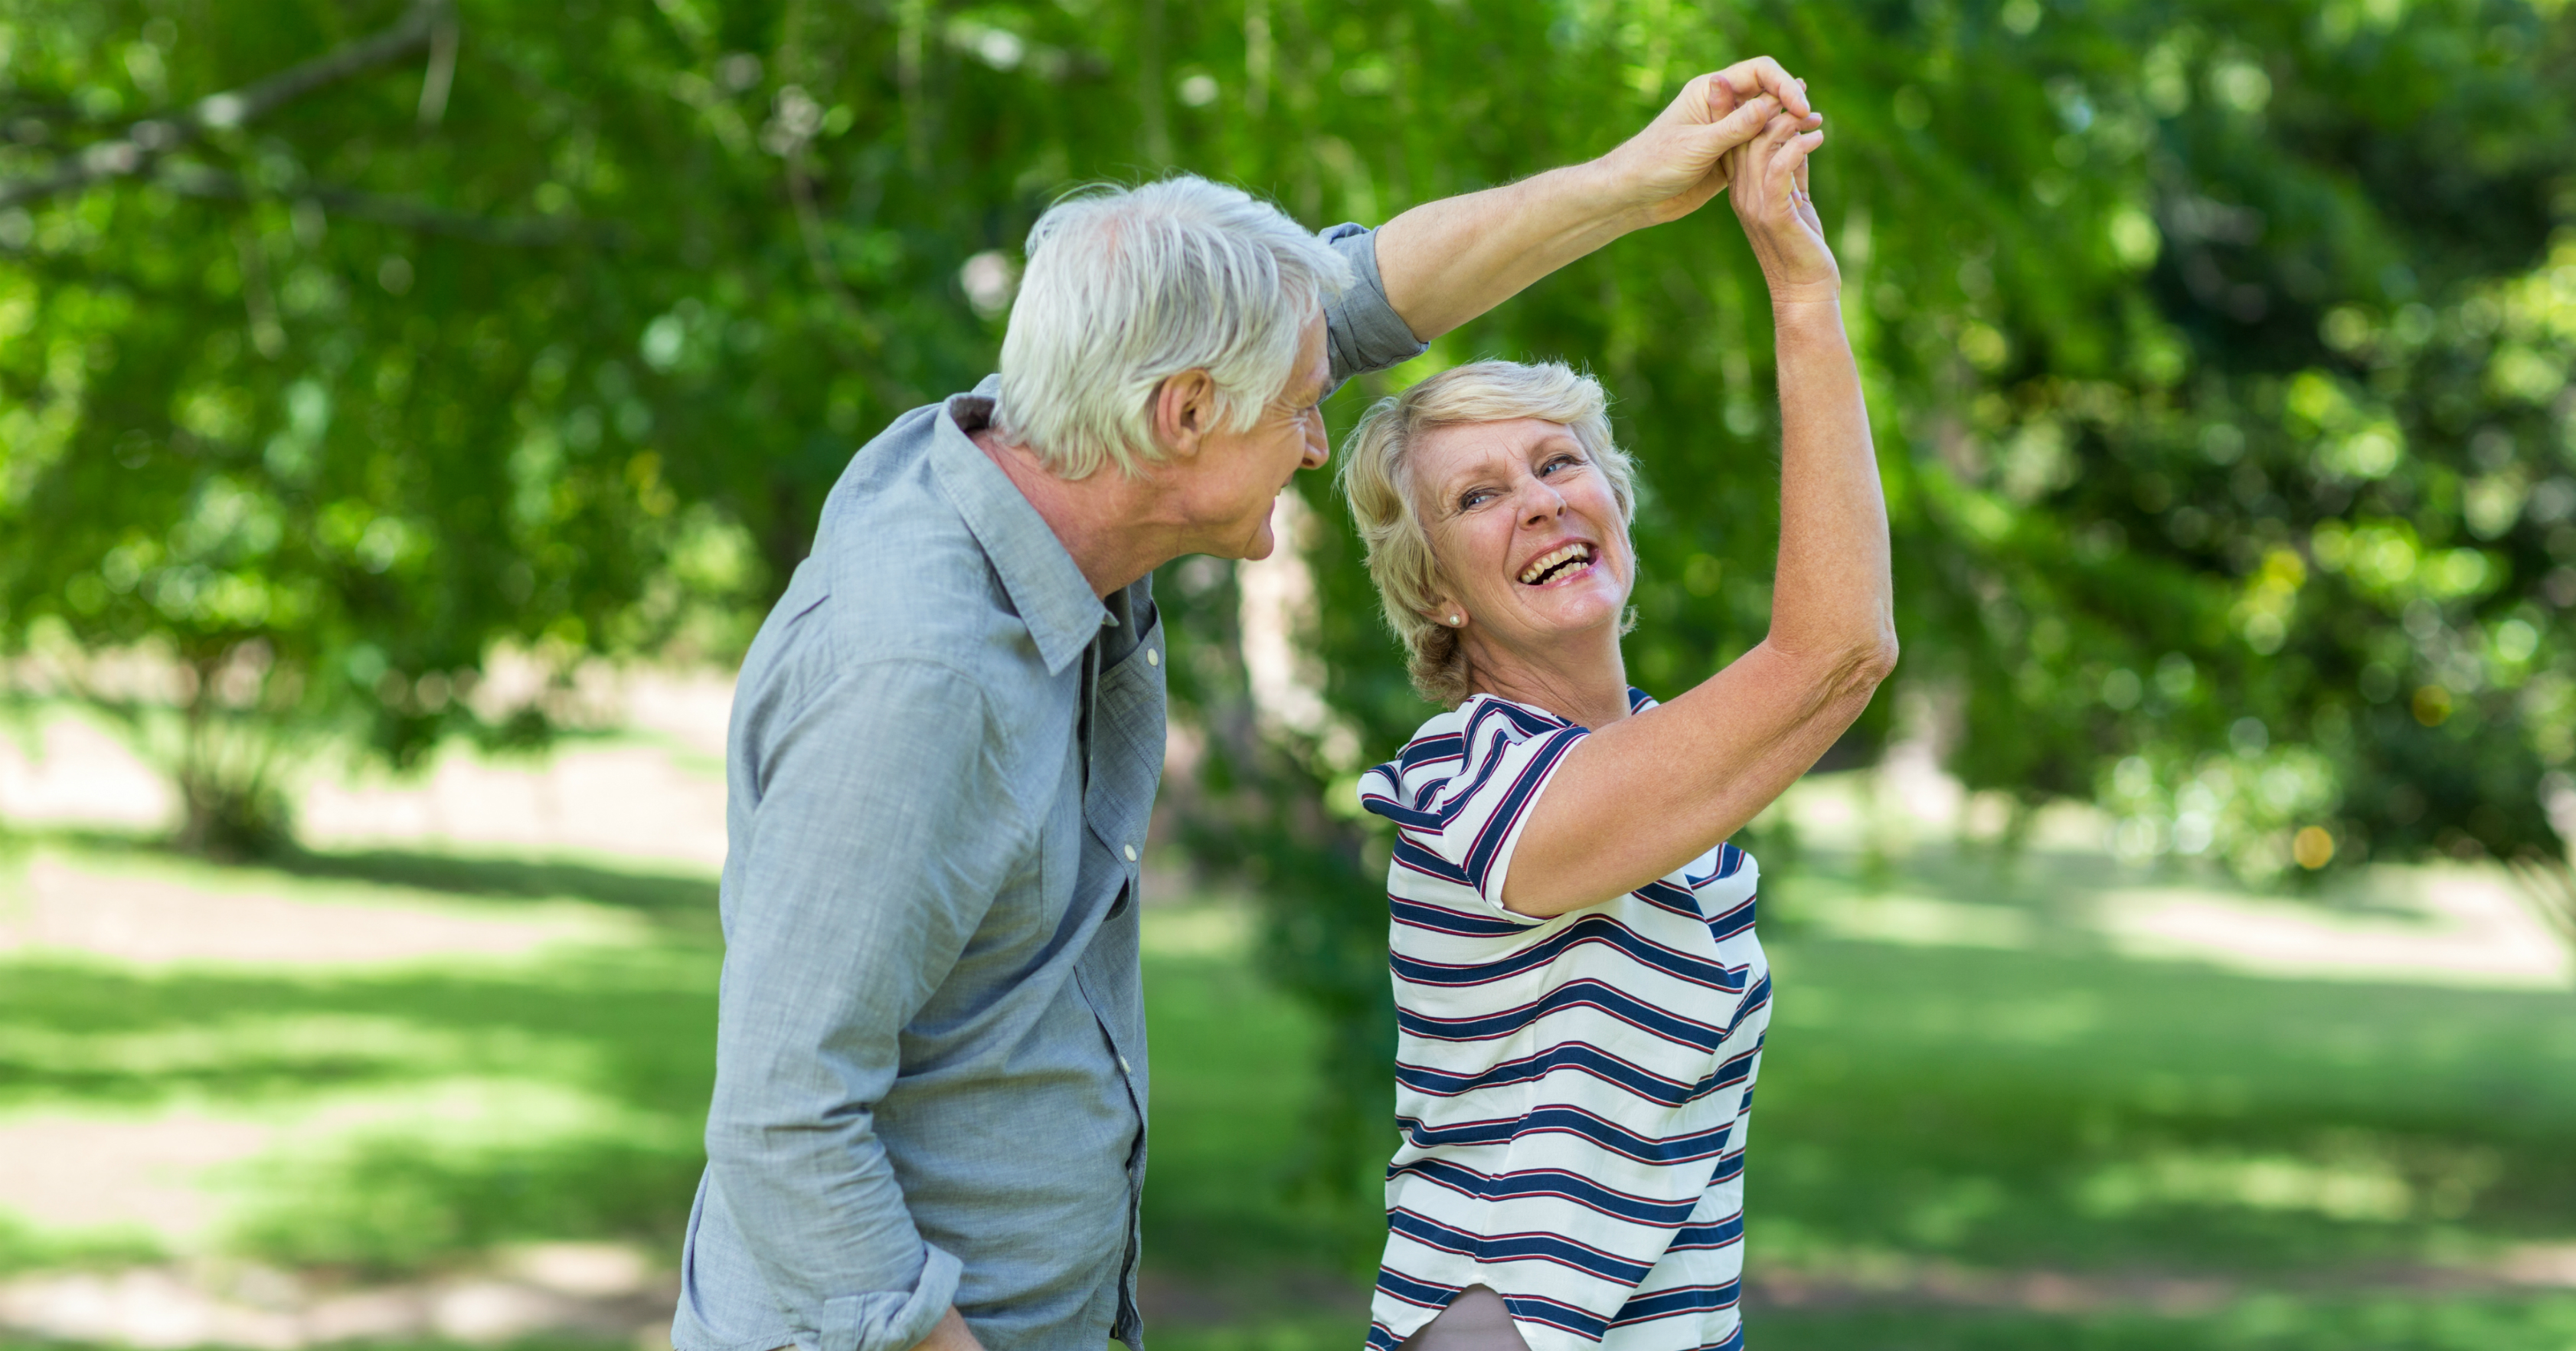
(1445, 262)
(1679, 161)
(951, 1335)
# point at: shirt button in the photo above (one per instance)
(1153, 658)
(1124, 1067)
(1131, 853)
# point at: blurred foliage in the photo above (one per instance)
(2218, 353)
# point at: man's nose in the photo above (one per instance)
(1319, 448)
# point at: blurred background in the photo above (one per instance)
(408, 411)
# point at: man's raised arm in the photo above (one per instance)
(1448, 261)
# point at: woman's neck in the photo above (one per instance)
(1581, 679)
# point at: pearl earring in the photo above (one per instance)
(1456, 620)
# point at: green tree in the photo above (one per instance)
(2219, 356)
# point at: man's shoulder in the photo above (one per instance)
(897, 575)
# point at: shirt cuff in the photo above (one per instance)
(1365, 331)
(893, 1320)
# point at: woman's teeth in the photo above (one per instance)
(1572, 554)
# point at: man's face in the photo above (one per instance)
(1230, 485)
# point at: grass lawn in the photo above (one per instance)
(2038, 1144)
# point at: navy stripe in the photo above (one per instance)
(1574, 1121)
(1529, 720)
(1550, 1313)
(1729, 859)
(1450, 746)
(1574, 994)
(1517, 1247)
(1665, 896)
(1414, 813)
(1759, 997)
(1570, 1055)
(1592, 928)
(1555, 1183)
(1581, 1057)
(1700, 1237)
(1522, 795)
(1442, 919)
(1556, 1314)
(1421, 860)
(1638, 699)
(1679, 1300)
(1428, 1294)
(1734, 921)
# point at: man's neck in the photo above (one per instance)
(1110, 522)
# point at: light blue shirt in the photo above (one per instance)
(930, 1049)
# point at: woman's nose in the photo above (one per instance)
(1542, 504)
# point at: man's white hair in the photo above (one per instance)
(1128, 287)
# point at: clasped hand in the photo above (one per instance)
(1747, 131)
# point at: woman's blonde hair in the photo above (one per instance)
(1377, 478)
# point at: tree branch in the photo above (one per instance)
(196, 180)
(146, 141)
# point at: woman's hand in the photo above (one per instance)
(1767, 182)
(1682, 158)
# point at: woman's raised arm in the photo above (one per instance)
(1649, 793)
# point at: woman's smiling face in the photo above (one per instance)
(1526, 530)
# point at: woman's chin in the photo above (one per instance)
(1577, 609)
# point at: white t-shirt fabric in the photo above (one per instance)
(1573, 1092)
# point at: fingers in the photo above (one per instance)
(1717, 97)
(1762, 75)
(1765, 169)
(1742, 125)
(1784, 170)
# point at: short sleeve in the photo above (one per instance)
(1364, 331)
(1456, 831)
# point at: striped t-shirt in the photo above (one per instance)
(1572, 1091)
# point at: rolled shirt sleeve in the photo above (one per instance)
(878, 841)
(1366, 333)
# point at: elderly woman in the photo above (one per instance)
(1580, 995)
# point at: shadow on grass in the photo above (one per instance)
(677, 900)
(2545, 1323)
(681, 902)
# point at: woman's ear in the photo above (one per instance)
(1184, 410)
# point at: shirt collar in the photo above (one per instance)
(1044, 583)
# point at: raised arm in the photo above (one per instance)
(1448, 261)
(1648, 794)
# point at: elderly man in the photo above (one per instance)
(929, 1117)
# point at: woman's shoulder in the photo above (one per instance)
(1474, 727)
(1453, 754)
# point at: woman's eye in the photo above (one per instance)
(1560, 462)
(1474, 499)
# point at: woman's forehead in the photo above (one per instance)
(1459, 448)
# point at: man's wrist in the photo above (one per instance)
(1616, 206)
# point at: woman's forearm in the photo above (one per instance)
(1647, 794)
(1832, 599)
